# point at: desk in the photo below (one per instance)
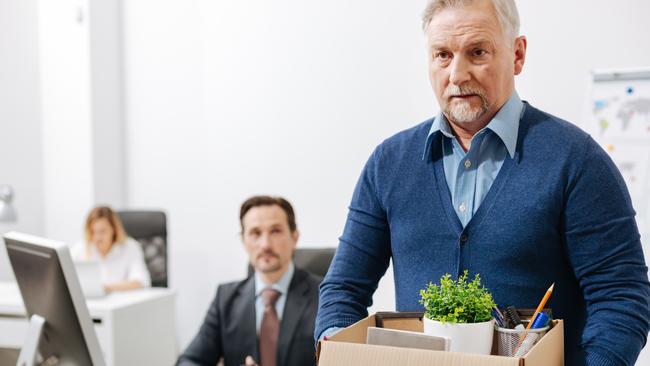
(134, 327)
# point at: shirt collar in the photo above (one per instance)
(282, 285)
(504, 124)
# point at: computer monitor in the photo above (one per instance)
(61, 331)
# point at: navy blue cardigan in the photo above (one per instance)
(558, 212)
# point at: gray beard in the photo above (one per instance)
(464, 113)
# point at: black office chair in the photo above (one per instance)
(314, 260)
(150, 229)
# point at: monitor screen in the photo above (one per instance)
(50, 288)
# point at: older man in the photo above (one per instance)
(496, 186)
(269, 317)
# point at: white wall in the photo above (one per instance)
(568, 38)
(60, 114)
(81, 93)
(228, 99)
(67, 131)
(21, 160)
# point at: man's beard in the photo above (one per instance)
(263, 267)
(463, 112)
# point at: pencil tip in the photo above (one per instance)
(551, 288)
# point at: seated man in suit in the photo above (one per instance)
(268, 318)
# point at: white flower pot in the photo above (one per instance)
(469, 337)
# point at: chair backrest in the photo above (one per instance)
(314, 260)
(150, 229)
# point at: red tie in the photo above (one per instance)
(270, 328)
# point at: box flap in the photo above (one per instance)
(550, 348)
(409, 324)
(355, 333)
(349, 354)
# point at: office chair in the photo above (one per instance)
(314, 260)
(150, 229)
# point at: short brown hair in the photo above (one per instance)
(256, 201)
(105, 212)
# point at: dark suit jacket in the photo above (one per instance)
(228, 330)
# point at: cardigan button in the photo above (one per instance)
(463, 238)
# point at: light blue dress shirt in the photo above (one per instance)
(470, 174)
(282, 285)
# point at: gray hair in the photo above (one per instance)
(506, 10)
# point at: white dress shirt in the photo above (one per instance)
(124, 262)
(282, 286)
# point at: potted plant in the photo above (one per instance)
(460, 310)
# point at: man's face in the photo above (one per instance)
(472, 63)
(267, 238)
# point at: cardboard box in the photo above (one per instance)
(348, 347)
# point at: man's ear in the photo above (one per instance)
(521, 43)
(295, 235)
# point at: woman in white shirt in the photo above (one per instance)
(120, 258)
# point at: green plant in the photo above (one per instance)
(457, 301)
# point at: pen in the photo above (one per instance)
(496, 314)
(541, 305)
(540, 321)
(499, 314)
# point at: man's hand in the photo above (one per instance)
(250, 361)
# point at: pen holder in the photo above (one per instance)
(510, 340)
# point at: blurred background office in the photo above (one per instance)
(191, 106)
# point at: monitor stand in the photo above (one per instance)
(29, 354)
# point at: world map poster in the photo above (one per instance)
(618, 118)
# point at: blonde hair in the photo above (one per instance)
(506, 10)
(105, 212)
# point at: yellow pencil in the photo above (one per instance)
(541, 305)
